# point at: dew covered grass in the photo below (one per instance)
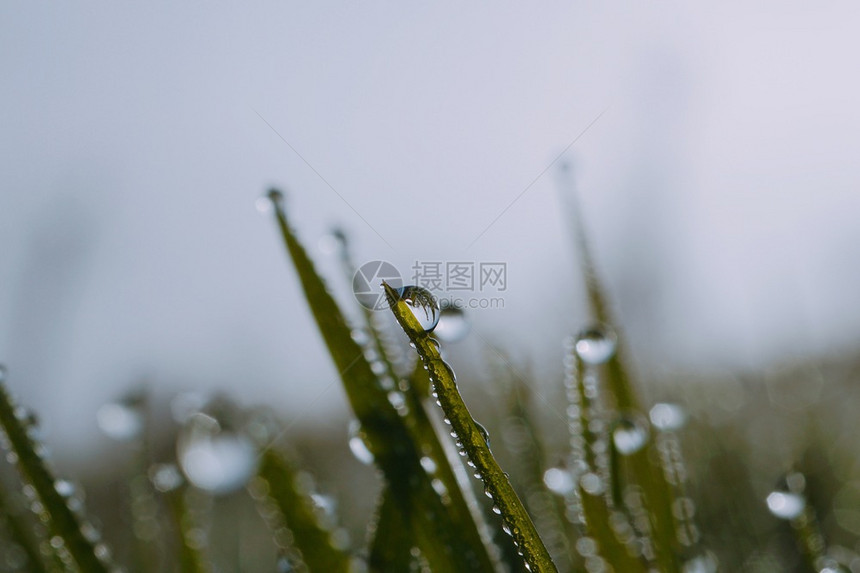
(603, 472)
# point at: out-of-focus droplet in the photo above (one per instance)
(453, 325)
(595, 345)
(668, 417)
(165, 477)
(357, 445)
(591, 483)
(428, 464)
(630, 435)
(787, 500)
(703, 563)
(64, 488)
(285, 564)
(215, 460)
(328, 244)
(423, 305)
(786, 505)
(559, 481)
(121, 420)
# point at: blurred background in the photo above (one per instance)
(713, 153)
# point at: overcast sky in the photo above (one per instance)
(715, 153)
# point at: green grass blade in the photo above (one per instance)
(547, 509)
(297, 510)
(446, 533)
(496, 482)
(20, 534)
(656, 490)
(595, 503)
(62, 521)
(190, 557)
(393, 540)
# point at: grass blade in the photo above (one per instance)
(444, 528)
(393, 539)
(19, 534)
(297, 510)
(593, 499)
(655, 489)
(190, 556)
(88, 554)
(496, 482)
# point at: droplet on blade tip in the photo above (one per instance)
(595, 345)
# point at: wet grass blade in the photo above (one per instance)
(531, 458)
(649, 476)
(496, 482)
(20, 535)
(190, 558)
(595, 503)
(297, 510)
(62, 521)
(393, 540)
(445, 531)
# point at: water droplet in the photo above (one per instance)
(591, 483)
(423, 304)
(559, 481)
(453, 325)
(483, 431)
(64, 488)
(285, 564)
(668, 417)
(497, 510)
(595, 345)
(357, 445)
(332, 242)
(165, 477)
(786, 505)
(630, 435)
(215, 460)
(787, 501)
(439, 487)
(704, 563)
(122, 420)
(428, 464)
(397, 399)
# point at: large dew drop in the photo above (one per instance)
(214, 460)
(595, 345)
(629, 435)
(423, 305)
(357, 445)
(453, 325)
